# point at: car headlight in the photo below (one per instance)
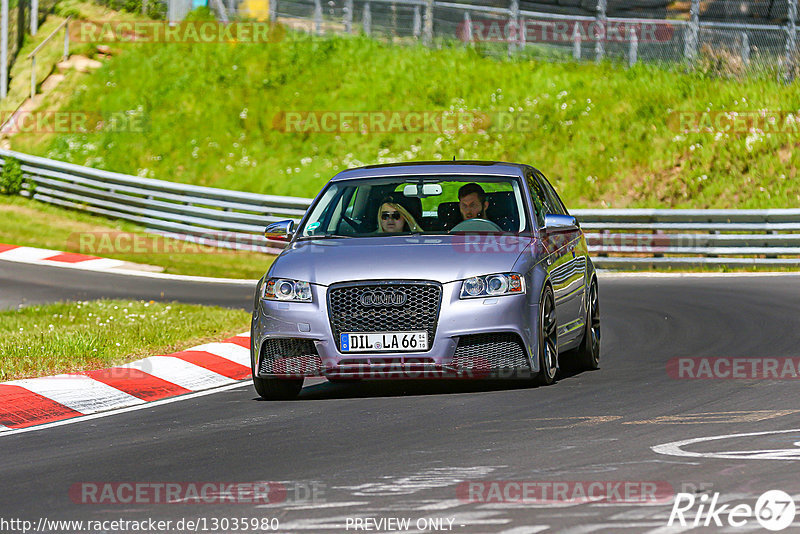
(286, 289)
(492, 285)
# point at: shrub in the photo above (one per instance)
(11, 178)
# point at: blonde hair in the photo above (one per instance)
(412, 224)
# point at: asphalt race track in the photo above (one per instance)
(403, 449)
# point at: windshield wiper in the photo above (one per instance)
(324, 236)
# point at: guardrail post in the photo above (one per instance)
(366, 19)
(600, 31)
(633, 47)
(690, 41)
(318, 17)
(393, 10)
(417, 22)
(745, 49)
(348, 16)
(467, 28)
(4, 49)
(427, 28)
(791, 42)
(513, 26)
(576, 42)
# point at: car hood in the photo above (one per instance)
(440, 258)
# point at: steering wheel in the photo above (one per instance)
(476, 225)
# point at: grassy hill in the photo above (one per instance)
(215, 115)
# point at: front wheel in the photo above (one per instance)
(548, 340)
(277, 388)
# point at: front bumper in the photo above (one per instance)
(475, 338)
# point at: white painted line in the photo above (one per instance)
(532, 529)
(229, 351)
(179, 372)
(152, 404)
(100, 264)
(441, 505)
(625, 274)
(131, 272)
(27, 254)
(675, 448)
(81, 393)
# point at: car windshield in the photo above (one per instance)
(417, 205)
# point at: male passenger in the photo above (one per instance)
(472, 201)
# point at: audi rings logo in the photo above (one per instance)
(387, 297)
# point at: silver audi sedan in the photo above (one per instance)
(463, 269)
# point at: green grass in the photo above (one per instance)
(74, 337)
(30, 223)
(600, 132)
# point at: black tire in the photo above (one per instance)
(587, 355)
(277, 388)
(548, 340)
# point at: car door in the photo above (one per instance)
(553, 244)
(569, 275)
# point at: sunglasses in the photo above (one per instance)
(395, 215)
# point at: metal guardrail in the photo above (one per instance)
(625, 239)
(32, 56)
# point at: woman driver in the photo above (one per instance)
(394, 218)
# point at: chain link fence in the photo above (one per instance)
(720, 37)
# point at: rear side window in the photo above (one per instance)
(554, 204)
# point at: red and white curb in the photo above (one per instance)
(35, 401)
(54, 257)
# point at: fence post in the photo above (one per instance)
(427, 28)
(513, 25)
(692, 31)
(417, 22)
(273, 11)
(600, 31)
(745, 49)
(33, 76)
(366, 19)
(66, 41)
(4, 49)
(633, 49)
(791, 42)
(348, 16)
(34, 16)
(576, 42)
(467, 28)
(318, 17)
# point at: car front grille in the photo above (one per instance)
(487, 352)
(418, 310)
(292, 357)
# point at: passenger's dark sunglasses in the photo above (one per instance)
(394, 215)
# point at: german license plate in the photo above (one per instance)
(384, 342)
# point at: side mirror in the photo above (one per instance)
(560, 222)
(280, 231)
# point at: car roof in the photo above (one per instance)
(490, 168)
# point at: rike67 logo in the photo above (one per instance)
(774, 510)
